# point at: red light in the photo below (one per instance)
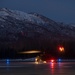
(52, 60)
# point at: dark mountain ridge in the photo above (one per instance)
(26, 31)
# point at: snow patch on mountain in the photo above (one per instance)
(20, 15)
(15, 23)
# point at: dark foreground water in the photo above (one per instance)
(32, 68)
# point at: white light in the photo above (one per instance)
(44, 62)
(29, 52)
(36, 62)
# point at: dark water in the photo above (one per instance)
(30, 68)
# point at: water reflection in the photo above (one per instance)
(7, 61)
(52, 65)
(55, 68)
(59, 64)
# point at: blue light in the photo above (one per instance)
(59, 60)
(7, 61)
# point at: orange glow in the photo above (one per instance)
(36, 62)
(44, 61)
(61, 49)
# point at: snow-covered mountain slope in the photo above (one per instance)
(15, 25)
(19, 15)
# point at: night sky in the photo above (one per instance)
(58, 10)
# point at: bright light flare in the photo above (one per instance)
(36, 62)
(59, 60)
(61, 49)
(44, 62)
(36, 59)
(52, 60)
(29, 52)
